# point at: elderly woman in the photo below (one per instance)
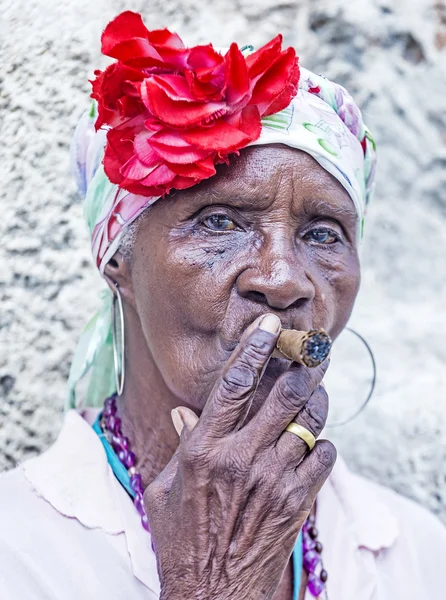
(225, 195)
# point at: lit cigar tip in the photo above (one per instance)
(309, 348)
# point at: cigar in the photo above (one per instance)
(309, 348)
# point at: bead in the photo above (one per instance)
(313, 532)
(110, 402)
(117, 426)
(109, 410)
(309, 544)
(129, 459)
(116, 443)
(323, 575)
(315, 585)
(318, 547)
(145, 522)
(136, 483)
(311, 561)
(120, 443)
(138, 502)
(110, 423)
(132, 471)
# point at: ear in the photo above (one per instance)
(117, 272)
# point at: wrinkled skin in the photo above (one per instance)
(284, 243)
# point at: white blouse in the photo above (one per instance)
(69, 531)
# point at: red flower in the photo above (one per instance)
(173, 112)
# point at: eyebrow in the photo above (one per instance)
(319, 206)
(241, 196)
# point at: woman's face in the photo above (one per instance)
(271, 232)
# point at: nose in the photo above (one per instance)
(278, 274)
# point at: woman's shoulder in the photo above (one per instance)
(22, 519)
(18, 501)
(16, 494)
(414, 520)
(416, 552)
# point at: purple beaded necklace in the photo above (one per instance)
(127, 474)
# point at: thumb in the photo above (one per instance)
(183, 418)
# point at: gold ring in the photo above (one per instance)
(302, 433)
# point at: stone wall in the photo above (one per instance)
(390, 55)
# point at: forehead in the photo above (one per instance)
(262, 173)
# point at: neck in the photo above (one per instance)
(144, 407)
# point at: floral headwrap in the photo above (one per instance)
(165, 115)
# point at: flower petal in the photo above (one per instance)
(204, 57)
(179, 155)
(144, 150)
(124, 27)
(159, 176)
(173, 148)
(177, 113)
(175, 86)
(221, 136)
(248, 121)
(237, 80)
(258, 62)
(108, 88)
(127, 39)
(202, 169)
(271, 85)
(136, 170)
(164, 38)
(290, 90)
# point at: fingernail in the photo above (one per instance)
(270, 323)
(177, 421)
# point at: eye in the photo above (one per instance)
(219, 222)
(322, 235)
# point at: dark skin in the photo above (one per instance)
(272, 233)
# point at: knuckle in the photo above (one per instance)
(290, 393)
(314, 413)
(326, 453)
(154, 492)
(191, 456)
(258, 347)
(239, 379)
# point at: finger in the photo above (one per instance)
(183, 417)
(184, 420)
(286, 399)
(231, 396)
(290, 448)
(314, 470)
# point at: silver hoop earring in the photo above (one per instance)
(372, 384)
(118, 357)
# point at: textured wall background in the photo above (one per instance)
(390, 54)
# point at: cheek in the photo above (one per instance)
(182, 292)
(203, 272)
(338, 279)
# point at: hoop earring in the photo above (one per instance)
(119, 372)
(372, 385)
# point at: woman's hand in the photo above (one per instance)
(226, 511)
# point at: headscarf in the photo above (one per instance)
(322, 120)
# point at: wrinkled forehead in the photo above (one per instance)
(262, 174)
